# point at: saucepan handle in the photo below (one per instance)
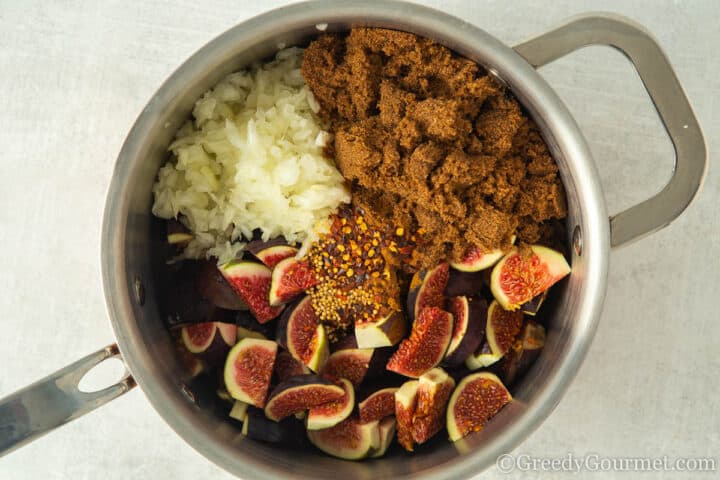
(667, 95)
(55, 400)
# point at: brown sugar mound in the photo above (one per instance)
(430, 143)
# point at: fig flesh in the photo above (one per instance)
(387, 433)
(502, 327)
(287, 366)
(300, 331)
(426, 346)
(275, 254)
(331, 413)
(252, 282)
(377, 405)
(427, 289)
(476, 259)
(433, 392)
(476, 399)
(351, 364)
(386, 331)
(470, 316)
(518, 278)
(289, 431)
(248, 370)
(349, 439)
(290, 278)
(405, 405)
(299, 393)
(210, 340)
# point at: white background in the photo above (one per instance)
(75, 74)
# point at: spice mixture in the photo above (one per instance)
(432, 144)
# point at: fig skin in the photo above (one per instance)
(300, 393)
(377, 405)
(426, 346)
(525, 351)
(289, 431)
(248, 370)
(479, 397)
(465, 341)
(290, 278)
(212, 286)
(427, 289)
(252, 282)
(213, 351)
(527, 276)
(465, 284)
(349, 439)
(483, 357)
(533, 306)
(331, 413)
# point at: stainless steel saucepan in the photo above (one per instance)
(130, 261)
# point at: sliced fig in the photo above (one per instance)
(377, 405)
(346, 342)
(387, 433)
(426, 346)
(405, 405)
(349, 439)
(464, 283)
(502, 327)
(477, 258)
(300, 393)
(248, 370)
(289, 431)
(427, 289)
(331, 413)
(287, 366)
(177, 234)
(290, 278)
(524, 352)
(210, 340)
(249, 327)
(239, 411)
(520, 277)
(212, 286)
(433, 392)
(470, 316)
(383, 332)
(533, 306)
(274, 255)
(351, 364)
(252, 282)
(476, 399)
(484, 357)
(300, 331)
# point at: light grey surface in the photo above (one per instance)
(75, 75)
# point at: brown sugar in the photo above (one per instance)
(430, 143)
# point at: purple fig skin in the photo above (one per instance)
(533, 306)
(256, 246)
(464, 283)
(474, 334)
(345, 343)
(289, 431)
(213, 287)
(303, 385)
(245, 319)
(525, 352)
(379, 359)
